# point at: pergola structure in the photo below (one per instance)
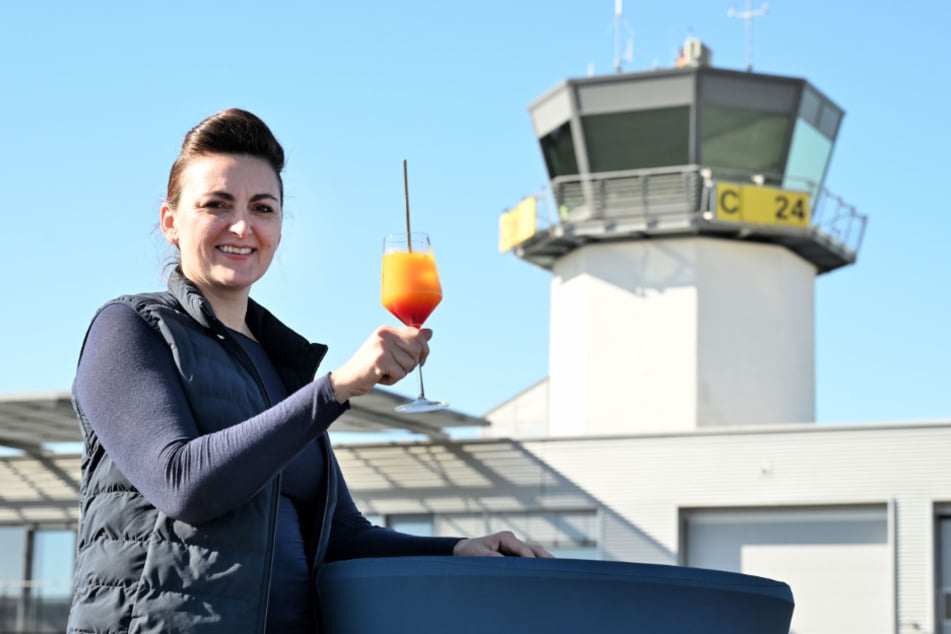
(32, 422)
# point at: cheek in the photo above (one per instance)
(275, 236)
(191, 240)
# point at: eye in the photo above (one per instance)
(264, 208)
(213, 204)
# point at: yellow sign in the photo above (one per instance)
(517, 224)
(762, 205)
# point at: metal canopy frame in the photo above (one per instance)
(29, 422)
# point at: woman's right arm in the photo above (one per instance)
(128, 387)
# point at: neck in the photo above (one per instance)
(230, 308)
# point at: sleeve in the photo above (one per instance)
(128, 389)
(352, 536)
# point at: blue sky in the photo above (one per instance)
(97, 97)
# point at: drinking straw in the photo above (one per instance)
(409, 241)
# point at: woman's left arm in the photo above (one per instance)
(353, 536)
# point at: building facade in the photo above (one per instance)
(855, 518)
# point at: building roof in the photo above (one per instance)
(39, 488)
(30, 421)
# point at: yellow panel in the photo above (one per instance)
(517, 225)
(762, 205)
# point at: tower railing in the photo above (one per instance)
(650, 195)
(681, 199)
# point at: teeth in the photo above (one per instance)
(236, 250)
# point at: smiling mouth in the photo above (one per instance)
(236, 250)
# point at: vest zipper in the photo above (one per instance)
(245, 359)
(322, 537)
(272, 527)
(330, 504)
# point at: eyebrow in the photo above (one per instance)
(255, 198)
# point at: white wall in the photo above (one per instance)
(756, 341)
(525, 415)
(687, 332)
(623, 338)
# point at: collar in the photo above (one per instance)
(295, 357)
(193, 302)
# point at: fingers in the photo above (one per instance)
(395, 362)
(540, 552)
(477, 547)
(425, 334)
(512, 545)
(388, 355)
(499, 545)
(522, 549)
(401, 350)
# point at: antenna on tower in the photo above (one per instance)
(748, 16)
(620, 26)
(618, 35)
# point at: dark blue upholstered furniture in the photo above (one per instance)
(502, 595)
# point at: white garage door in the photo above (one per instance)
(837, 561)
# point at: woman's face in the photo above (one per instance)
(227, 224)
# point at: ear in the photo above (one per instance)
(167, 223)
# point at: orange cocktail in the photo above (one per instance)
(411, 289)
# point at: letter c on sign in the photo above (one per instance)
(730, 206)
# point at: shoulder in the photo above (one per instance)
(129, 314)
(150, 307)
(125, 314)
(145, 301)
(116, 335)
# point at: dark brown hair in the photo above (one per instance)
(231, 131)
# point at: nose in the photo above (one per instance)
(240, 225)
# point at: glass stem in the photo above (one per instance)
(422, 392)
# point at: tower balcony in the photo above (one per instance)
(693, 200)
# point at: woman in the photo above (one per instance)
(210, 494)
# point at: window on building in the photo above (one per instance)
(565, 534)
(52, 571)
(36, 568)
(558, 148)
(421, 525)
(944, 574)
(809, 155)
(640, 139)
(12, 553)
(746, 141)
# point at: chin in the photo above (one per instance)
(233, 279)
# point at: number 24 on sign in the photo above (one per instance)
(762, 205)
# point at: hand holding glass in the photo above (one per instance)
(411, 291)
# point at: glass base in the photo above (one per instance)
(421, 405)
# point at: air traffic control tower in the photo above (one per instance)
(688, 223)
